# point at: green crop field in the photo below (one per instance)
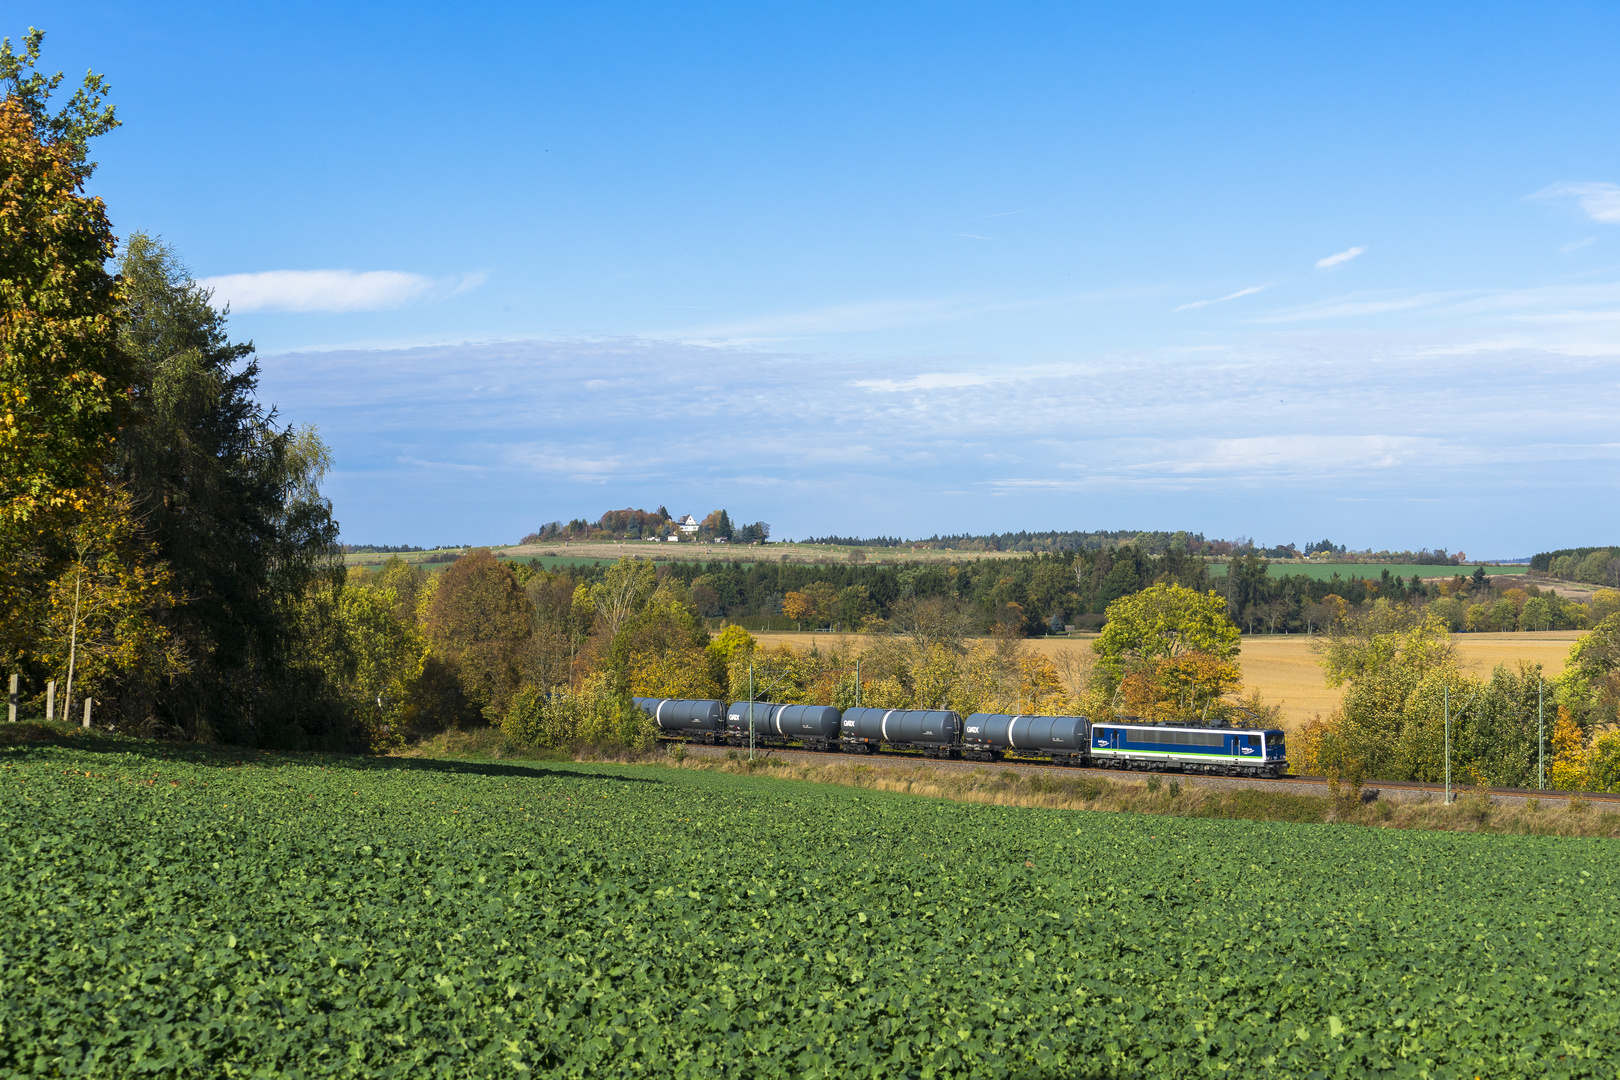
(173, 912)
(1324, 571)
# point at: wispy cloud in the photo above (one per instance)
(933, 380)
(1353, 307)
(331, 291)
(1599, 201)
(1576, 245)
(469, 281)
(1250, 291)
(880, 315)
(974, 236)
(1590, 303)
(1339, 259)
(1306, 418)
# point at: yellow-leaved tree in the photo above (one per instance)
(1569, 769)
(83, 593)
(1168, 652)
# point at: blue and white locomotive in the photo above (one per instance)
(939, 733)
(1229, 751)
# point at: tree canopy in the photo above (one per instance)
(1165, 621)
(86, 114)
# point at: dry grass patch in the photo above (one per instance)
(27, 731)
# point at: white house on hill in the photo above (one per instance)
(689, 524)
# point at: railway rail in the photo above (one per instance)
(902, 757)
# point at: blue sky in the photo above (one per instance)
(1289, 271)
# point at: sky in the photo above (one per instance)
(1288, 271)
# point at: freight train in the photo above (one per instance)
(939, 733)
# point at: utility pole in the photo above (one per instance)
(1448, 745)
(750, 710)
(1541, 741)
(857, 682)
(1448, 737)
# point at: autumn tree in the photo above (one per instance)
(1168, 652)
(854, 606)
(63, 380)
(406, 581)
(1567, 770)
(798, 606)
(105, 617)
(560, 629)
(717, 524)
(128, 417)
(1401, 682)
(706, 599)
(478, 621)
(1003, 675)
(1184, 688)
(372, 661)
(1164, 621)
(731, 645)
(933, 620)
(1590, 687)
(823, 599)
(623, 591)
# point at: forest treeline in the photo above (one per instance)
(1588, 565)
(1045, 593)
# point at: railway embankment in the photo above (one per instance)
(1294, 798)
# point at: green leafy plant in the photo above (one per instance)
(180, 911)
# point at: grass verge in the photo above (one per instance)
(487, 744)
(1474, 812)
(28, 731)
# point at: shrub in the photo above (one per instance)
(1257, 805)
(593, 717)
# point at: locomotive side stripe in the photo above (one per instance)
(1099, 752)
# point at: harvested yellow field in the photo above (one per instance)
(1550, 648)
(1283, 668)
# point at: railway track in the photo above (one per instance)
(1408, 789)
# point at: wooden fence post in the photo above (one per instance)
(50, 701)
(86, 712)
